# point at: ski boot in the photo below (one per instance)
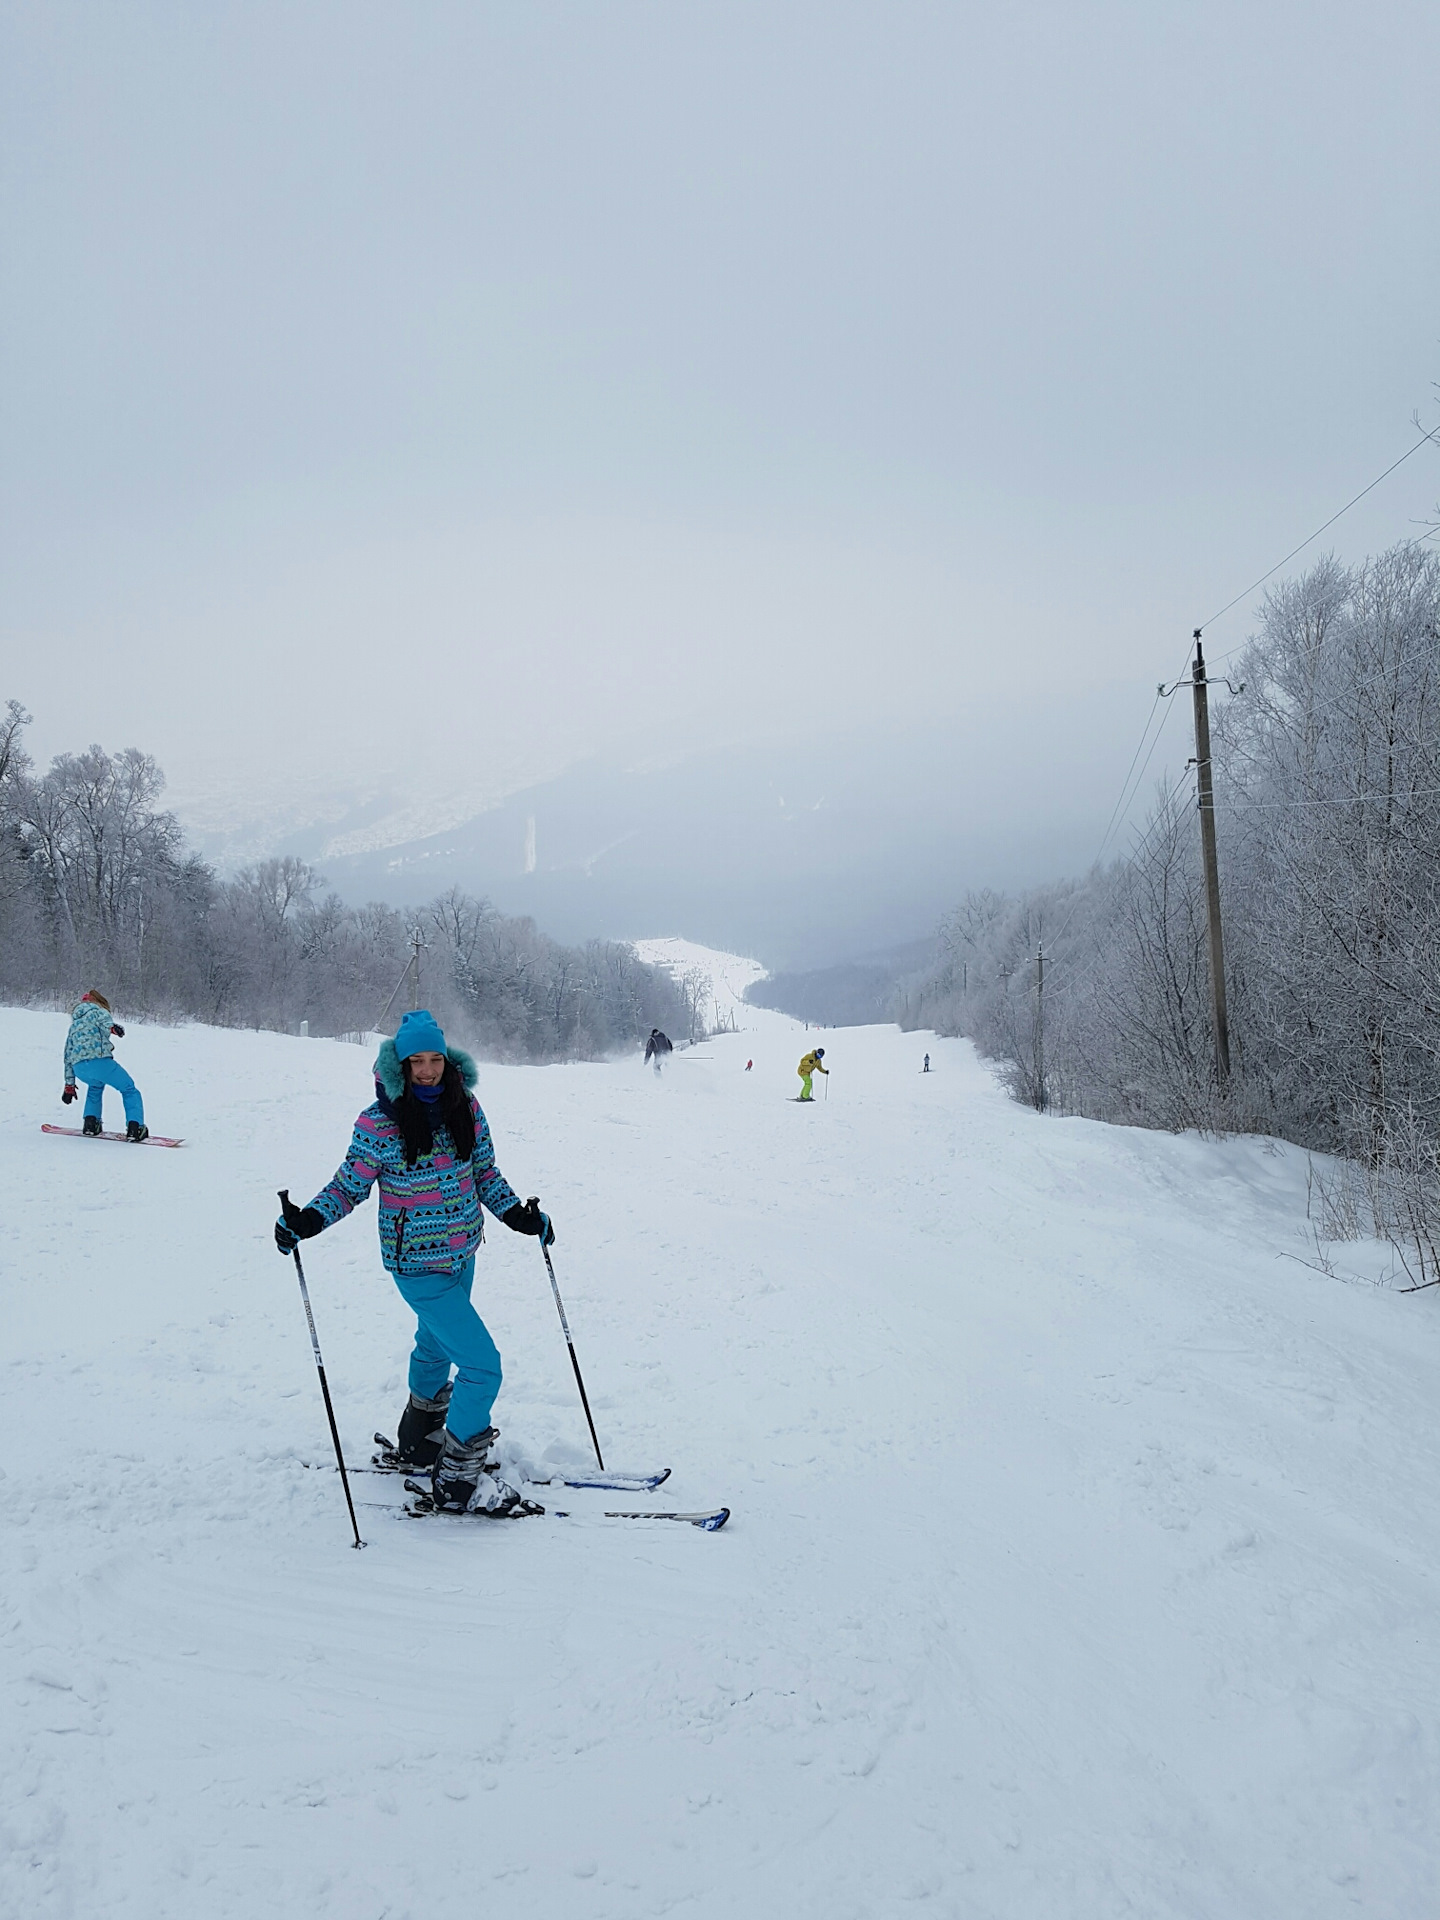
(90, 1126)
(421, 1433)
(466, 1479)
(137, 1131)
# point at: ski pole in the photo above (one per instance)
(324, 1387)
(565, 1328)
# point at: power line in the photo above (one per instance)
(1341, 800)
(1425, 440)
(1125, 784)
(1128, 791)
(1060, 962)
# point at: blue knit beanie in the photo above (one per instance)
(419, 1033)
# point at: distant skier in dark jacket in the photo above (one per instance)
(89, 1056)
(657, 1048)
(427, 1144)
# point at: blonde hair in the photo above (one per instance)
(98, 998)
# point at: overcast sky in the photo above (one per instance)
(471, 385)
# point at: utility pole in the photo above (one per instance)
(1206, 799)
(416, 944)
(1040, 1027)
(411, 973)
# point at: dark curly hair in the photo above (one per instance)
(417, 1119)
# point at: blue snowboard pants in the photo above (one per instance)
(451, 1333)
(99, 1074)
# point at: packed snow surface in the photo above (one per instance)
(1084, 1551)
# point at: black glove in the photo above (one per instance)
(296, 1223)
(119, 1032)
(529, 1219)
(70, 1093)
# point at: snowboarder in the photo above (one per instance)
(808, 1068)
(428, 1144)
(656, 1048)
(748, 1065)
(926, 1067)
(89, 1056)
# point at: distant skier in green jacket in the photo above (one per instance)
(807, 1070)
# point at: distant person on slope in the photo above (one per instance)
(808, 1068)
(428, 1144)
(89, 1056)
(657, 1047)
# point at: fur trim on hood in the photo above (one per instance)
(390, 1074)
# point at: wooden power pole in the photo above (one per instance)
(417, 944)
(1040, 1027)
(1206, 796)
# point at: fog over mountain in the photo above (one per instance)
(804, 850)
(777, 447)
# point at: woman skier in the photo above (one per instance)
(807, 1069)
(428, 1145)
(89, 1056)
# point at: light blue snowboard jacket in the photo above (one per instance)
(88, 1038)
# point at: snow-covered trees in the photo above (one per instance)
(97, 889)
(1327, 789)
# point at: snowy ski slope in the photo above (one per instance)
(1083, 1559)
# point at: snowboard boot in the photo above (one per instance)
(467, 1479)
(422, 1430)
(137, 1131)
(91, 1127)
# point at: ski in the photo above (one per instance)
(75, 1133)
(707, 1522)
(604, 1482)
(423, 1507)
(387, 1460)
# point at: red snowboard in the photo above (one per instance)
(152, 1140)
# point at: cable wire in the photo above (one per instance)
(1427, 439)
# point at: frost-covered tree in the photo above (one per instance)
(1327, 786)
(97, 888)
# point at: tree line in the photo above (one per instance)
(1327, 795)
(98, 889)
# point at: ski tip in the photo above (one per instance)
(707, 1522)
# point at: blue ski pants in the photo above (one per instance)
(451, 1333)
(99, 1074)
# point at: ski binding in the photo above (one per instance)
(386, 1459)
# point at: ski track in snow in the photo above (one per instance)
(1083, 1559)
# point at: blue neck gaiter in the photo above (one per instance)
(428, 1094)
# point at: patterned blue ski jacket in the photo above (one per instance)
(88, 1038)
(430, 1218)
